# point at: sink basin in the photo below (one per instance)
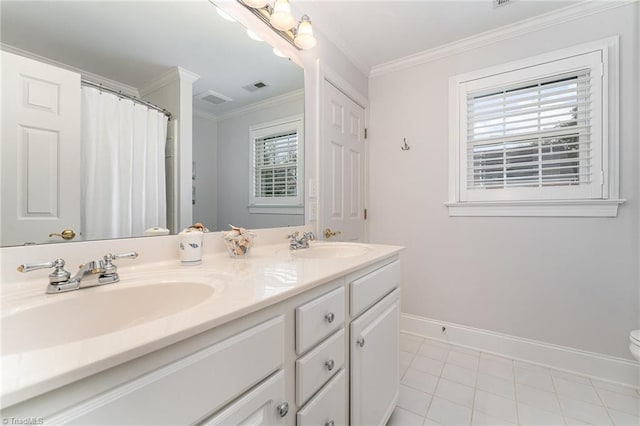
(332, 251)
(97, 311)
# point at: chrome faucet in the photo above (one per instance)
(60, 280)
(299, 241)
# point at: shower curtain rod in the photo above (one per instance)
(121, 95)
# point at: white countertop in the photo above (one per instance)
(270, 274)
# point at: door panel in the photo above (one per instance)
(342, 156)
(40, 150)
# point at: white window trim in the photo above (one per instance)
(607, 206)
(295, 205)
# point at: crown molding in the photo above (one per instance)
(168, 77)
(112, 84)
(536, 23)
(205, 114)
(271, 102)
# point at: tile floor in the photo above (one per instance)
(445, 384)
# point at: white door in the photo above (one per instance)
(342, 173)
(40, 150)
(262, 406)
(375, 379)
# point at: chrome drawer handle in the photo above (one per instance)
(330, 423)
(330, 364)
(360, 342)
(283, 409)
(330, 317)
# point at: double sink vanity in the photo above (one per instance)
(306, 337)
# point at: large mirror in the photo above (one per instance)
(238, 106)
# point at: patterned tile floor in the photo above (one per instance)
(445, 384)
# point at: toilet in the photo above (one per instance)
(634, 347)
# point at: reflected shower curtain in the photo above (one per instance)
(123, 176)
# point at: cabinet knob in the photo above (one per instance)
(283, 409)
(330, 317)
(360, 342)
(330, 364)
(330, 423)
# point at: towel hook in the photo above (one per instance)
(405, 147)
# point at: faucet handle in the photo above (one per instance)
(59, 275)
(293, 235)
(110, 268)
(111, 257)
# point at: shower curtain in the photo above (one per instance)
(123, 176)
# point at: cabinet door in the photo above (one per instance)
(259, 406)
(375, 381)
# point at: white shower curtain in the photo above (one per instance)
(123, 176)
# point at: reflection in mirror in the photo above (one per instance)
(77, 156)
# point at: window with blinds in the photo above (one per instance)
(277, 161)
(276, 165)
(534, 134)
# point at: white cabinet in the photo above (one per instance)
(328, 356)
(262, 406)
(191, 388)
(374, 362)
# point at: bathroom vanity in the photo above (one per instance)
(301, 337)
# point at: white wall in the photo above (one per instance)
(233, 167)
(205, 156)
(567, 281)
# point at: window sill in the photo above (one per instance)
(559, 208)
(275, 209)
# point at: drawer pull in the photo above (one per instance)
(330, 364)
(360, 342)
(330, 317)
(283, 409)
(330, 423)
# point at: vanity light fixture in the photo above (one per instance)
(279, 17)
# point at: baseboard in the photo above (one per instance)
(598, 366)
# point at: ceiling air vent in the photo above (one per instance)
(498, 3)
(255, 86)
(213, 97)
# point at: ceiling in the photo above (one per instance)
(375, 32)
(135, 42)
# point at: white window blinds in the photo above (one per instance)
(276, 165)
(531, 134)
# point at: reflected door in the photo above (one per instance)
(342, 167)
(40, 150)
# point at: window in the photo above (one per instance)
(276, 167)
(531, 138)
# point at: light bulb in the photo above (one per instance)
(256, 4)
(304, 36)
(281, 17)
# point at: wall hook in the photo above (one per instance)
(405, 147)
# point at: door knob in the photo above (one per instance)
(328, 233)
(66, 234)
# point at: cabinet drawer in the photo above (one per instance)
(319, 318)
(328, 406)
(316, 367)
(191, 388)
(367, 290)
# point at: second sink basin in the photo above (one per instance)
(97, 311)
(321, 250)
